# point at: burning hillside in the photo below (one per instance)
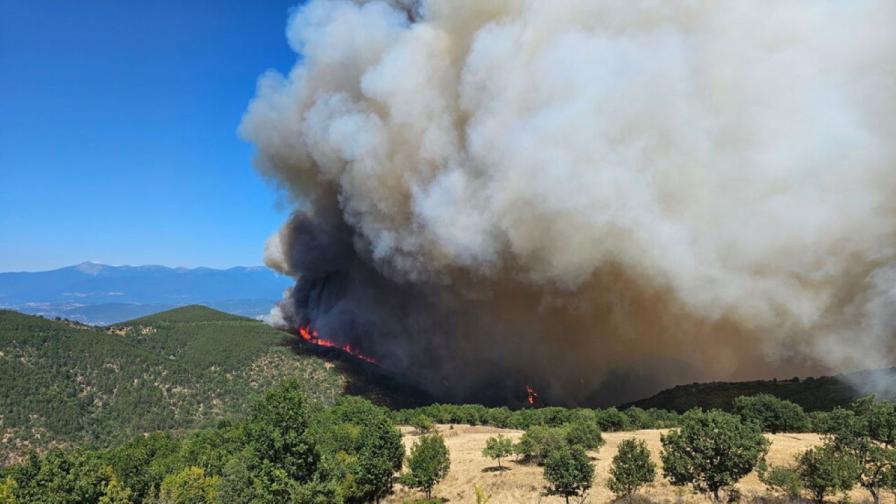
(591, 198)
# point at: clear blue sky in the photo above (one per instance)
(118, 135)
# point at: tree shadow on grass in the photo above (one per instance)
(492, 469)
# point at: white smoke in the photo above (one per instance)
(739, 156)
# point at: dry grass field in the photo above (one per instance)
(524, 483)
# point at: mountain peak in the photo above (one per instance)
(90, 267)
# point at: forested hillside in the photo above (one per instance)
(65, 383)
(813, 394)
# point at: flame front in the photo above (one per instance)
(531, 395)
(312, 336)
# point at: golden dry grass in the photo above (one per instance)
(524, 483)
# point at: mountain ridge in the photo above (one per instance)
(101, 294)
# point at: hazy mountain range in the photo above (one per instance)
(101, 294)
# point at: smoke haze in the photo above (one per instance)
(597, 198)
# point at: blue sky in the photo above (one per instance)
(118, 135)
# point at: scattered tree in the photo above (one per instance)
(867, 432)
(428, 463)
(496, 448)
(569, 472)
(631, 469)
(380, 456)
(711, 451)
(826, 470)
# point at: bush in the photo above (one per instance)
(497, 448)
(781, 480)
(771, 414)
(569, 472)
(422, 424)
(826, 470)
(631, 468)
(711, 451)
(585, 433)
(612, 420)
(538, 442)
(428, 463)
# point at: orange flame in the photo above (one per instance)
(531, 395)
(312, 336)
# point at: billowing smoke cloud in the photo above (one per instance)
(595, 197)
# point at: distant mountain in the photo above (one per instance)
(101, 294)
(813, 394)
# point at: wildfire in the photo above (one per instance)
(311, 336)
(531, 395)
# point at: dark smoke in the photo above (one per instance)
(596, 198)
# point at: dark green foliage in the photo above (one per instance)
(711, 451)
(497, 448)
(362, 449)
(631, 468)
(612, 420)
(569, 472)
(428, 463)
(607, 420)
(771, 414)
(61, 477)
(812, 394)
(782, 480)
(826, 470)
(283, 452)
(422, 424)
(537, 443)
(867, 433)
(583, 431)
(187, 368)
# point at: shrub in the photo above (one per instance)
(771, 414)
(612, 420)
(428, 463)
(569, 472)
(422, 424)
(631, 468)
(538, 442)
(781, 480)
(585, 433)
(826, 470)
(497, 448)
(639, 418)
(711, 451)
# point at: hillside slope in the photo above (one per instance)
(66, 383)
(813, 394)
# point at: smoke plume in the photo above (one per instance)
(598, 198)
